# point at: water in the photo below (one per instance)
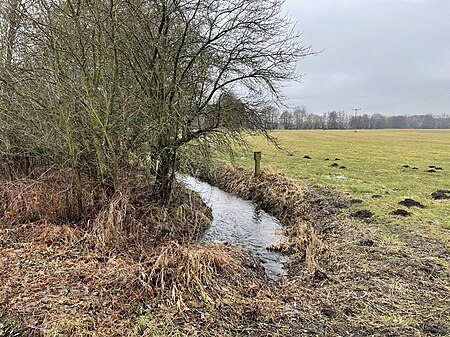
(239, 223)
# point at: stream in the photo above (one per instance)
(240, 223)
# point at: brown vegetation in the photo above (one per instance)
(130, 266)
(73, 273)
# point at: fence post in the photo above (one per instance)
(257, 157)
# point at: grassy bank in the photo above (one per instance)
(347, 277)
(374, 170)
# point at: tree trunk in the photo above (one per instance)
(165, 175)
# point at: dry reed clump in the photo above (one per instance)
(28, 200)
(179, 270)
(134, 220)
(113, 227)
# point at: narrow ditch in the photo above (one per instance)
(238, 222)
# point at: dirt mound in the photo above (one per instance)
(342, 167)
(366, 243)
(401, 212)
(431, 171)
(406, 166)
(334, 165)
(307, 157)
(377, 196)
(411, 203)
(441, 195)
(362, 214)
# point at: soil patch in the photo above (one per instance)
(411, 203)
(441, 195)
(363, 214)
(434, 329)
(366, 242)
(401, 212)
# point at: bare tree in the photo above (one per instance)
(299, 114)
(186, 56)
(13, 139)
(103, 80)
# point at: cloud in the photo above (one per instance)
(374, 51)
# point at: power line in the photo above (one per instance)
(433, 94)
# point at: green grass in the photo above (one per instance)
(374, 161)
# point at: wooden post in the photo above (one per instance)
(257, 157)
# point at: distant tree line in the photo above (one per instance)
(300, 119)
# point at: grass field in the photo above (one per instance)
(374, 161)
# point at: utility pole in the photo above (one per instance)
(356, 116)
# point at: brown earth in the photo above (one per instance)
(131, 267)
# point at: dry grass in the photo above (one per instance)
(131, 267)
(181, 270)
(127, 260)
(27, 200)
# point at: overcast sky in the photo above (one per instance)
(385, 56)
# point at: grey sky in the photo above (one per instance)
(387, 56)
